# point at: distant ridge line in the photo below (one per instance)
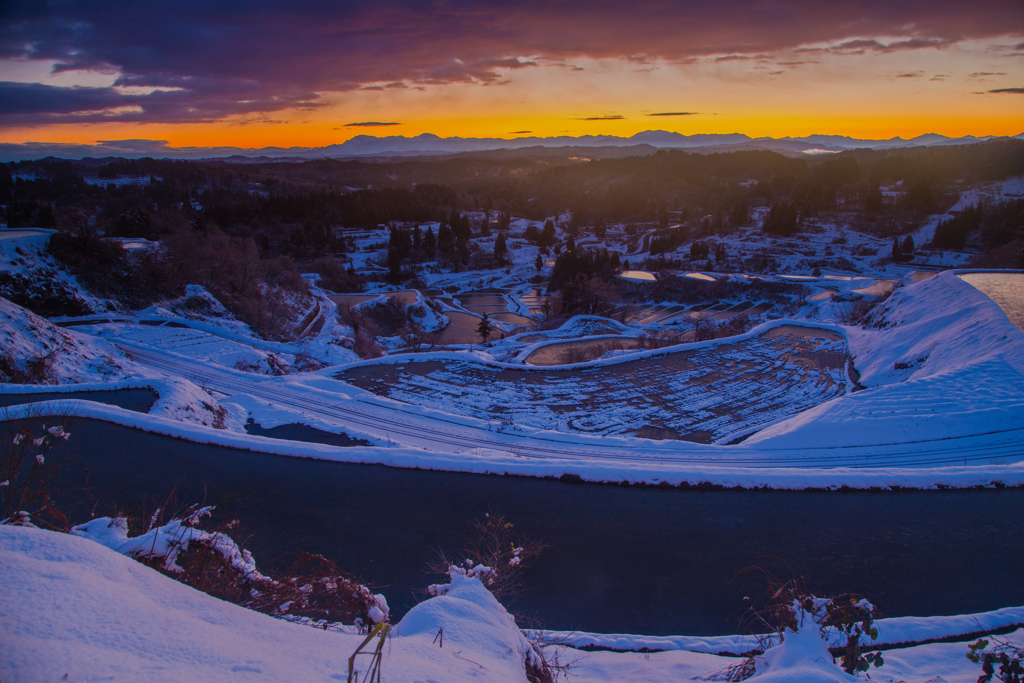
(430, 144)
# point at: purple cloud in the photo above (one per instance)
(235, 57)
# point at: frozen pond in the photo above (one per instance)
(701, 276)
(825, 293)
(621, 559)
(1006, 289)
(494, 305)
(351, 299)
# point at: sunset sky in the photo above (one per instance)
(253, 74)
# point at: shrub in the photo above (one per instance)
(493, 556)
(852, 312)
(334, 277)
(29, 466)
(313, 591)
(846, 622)
(990, 652)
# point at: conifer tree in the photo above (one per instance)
(501, 248)
(485, 328)
(429, 244)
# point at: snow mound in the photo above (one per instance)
(34, 351)
(801, 657)
(75, 610)
(427, 318)
(471, 619)
(183, 401)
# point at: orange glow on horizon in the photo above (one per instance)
(321, 134)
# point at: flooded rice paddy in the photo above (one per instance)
(708, 394)
(404, 297)
(138, 400)
(581, 351)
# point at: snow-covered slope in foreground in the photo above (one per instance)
(75, 610)
(946, 362)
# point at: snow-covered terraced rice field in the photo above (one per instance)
(708, 394)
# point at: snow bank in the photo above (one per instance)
(891, 631)
(34, 272)
(183, 401)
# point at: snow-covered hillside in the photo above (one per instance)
(32, 277)
(33, 350)
(941, 360)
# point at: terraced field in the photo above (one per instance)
(709, 394)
